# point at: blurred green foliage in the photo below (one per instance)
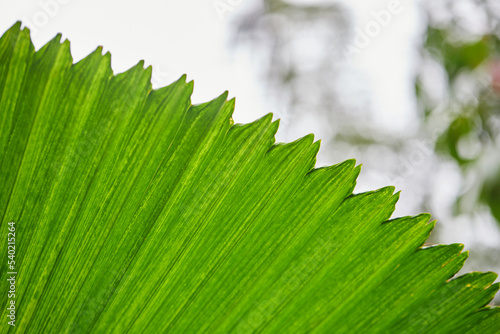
(472, 134)
(457, 57)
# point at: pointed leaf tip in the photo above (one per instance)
(425, 216)
(308, 138)
(16, 26)
(351, 162)
(268, 117)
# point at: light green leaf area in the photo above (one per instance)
(138, 212)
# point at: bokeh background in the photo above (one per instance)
(411, 89)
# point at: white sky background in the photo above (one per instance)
(191, 37)
(388, 60)
(181, 37)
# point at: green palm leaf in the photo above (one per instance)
(137, 212)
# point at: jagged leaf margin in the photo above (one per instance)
(139, 212)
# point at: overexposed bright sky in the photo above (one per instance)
(191, 37)
(176, 37)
